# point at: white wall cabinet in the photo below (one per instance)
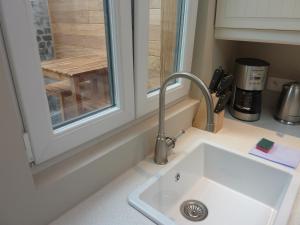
(276, 21)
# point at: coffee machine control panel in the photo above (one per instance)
(254, 79)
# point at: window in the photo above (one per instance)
(164, 34)
(163, 39)
(74, 43)
(72, 64)
(107, 78)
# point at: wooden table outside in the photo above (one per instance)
(77, 70)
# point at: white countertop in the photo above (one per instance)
(267, 120)
(109, 205)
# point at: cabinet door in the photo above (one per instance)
(259, 14)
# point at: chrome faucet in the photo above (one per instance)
(163, 143)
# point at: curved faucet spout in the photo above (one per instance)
(163, 143)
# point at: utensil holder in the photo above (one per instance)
(201, 115)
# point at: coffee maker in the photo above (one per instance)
(249, 81)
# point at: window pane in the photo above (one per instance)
(164, 38)
(72, 39)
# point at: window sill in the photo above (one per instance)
(91, 155)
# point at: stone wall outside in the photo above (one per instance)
(43, 28)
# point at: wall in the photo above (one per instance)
(43, 28)
(162, 40)
(284, 59)
(78, 27)
(209, 53)
(28, 199)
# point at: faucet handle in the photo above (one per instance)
(171, 141)
(178, 135)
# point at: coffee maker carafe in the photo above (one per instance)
(250, 77)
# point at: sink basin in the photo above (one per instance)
(236, 189)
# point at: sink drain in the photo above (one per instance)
(193, 210)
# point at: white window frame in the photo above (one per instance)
(148, 102)
(19, 34)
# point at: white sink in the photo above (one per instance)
(236, 189)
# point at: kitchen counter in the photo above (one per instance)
(267, 121)
(109, 205)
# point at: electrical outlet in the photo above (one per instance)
(275, 83)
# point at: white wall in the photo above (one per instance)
(284, 59)
(204, 42)
(209, 53)
(36, 200)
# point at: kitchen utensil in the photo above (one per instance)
(224, 84)
(217, 76)
(223, 100)
(288, 108)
